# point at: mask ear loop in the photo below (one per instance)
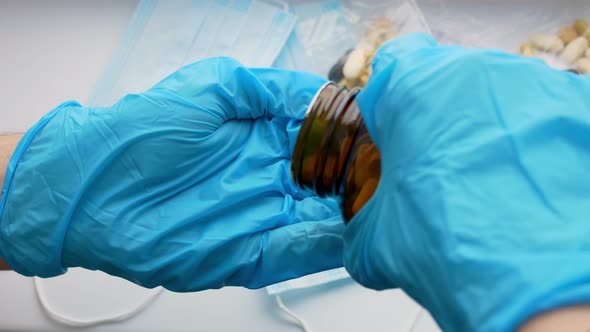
(294, 318)
(74, 322)
(305, 328)
(280, 3)
(416, 319)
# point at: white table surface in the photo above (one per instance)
(55, 51)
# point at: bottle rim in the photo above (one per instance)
(330, 111)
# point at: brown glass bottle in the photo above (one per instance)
(334, 154)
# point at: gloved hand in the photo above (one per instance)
(186, 185)
(482, 211)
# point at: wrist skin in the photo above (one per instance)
(8, 143)
(567, 319)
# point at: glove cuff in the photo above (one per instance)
(31, 238)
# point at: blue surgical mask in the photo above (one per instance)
(312, 280)
(308, 281)
(165, 35)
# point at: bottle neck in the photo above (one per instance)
(325, 140)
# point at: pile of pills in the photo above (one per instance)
(354, 67)
(571, 46)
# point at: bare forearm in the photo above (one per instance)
(570, 319)
(8, 143)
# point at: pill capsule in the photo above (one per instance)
(574, 50)
(382, 24)
(364, 79)
(382, 37)
(580, 26)
(380, 31)
(527, 50)
(335, 73)
(583, 65)
(354, 64)
(353, 83)
(547, 42)
(568, 34)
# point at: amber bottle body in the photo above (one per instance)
(334, 154)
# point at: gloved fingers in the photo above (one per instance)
(292, 251)
(292, 91)
(315, 208)
(368, 256)
(398, 66)
(400, 47)
(226, 90)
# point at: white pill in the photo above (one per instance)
(547, 42)
(354, 64)
(574, 50)
(583, 65)
(527, 50)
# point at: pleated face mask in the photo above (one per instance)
(164, 35)
(308, 281)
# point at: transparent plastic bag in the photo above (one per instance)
(406, 15)
(502, 24)
(327, 30)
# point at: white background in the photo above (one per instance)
(55, 51)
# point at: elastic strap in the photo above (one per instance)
(75, 322)
(294, 317)
(416, 319)
(280, 3)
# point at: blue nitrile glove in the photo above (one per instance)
(482, 212)
(186, 185)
